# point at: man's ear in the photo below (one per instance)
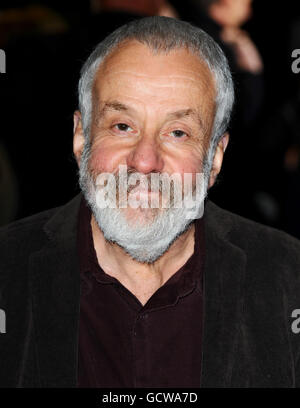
(78, 136)
(218, 159)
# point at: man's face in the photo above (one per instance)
(153, 114)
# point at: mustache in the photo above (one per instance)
(171, 187)
(141, 179)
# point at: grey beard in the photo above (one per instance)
(144, 243)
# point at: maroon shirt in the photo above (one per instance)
(125, 344)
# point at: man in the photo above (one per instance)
(149, 296)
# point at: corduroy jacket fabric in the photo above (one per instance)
(251, 288)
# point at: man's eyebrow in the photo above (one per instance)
(121, 107)
(113, 106)
(187, 112)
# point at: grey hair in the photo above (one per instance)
(163, 34)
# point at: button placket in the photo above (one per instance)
(140, 351)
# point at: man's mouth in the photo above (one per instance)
(143, 192)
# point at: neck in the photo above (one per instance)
(141, 278)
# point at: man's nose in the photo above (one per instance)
(145, 157)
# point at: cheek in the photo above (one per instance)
(105, 158)
(190, 161)
(101, 160)
(191, 165)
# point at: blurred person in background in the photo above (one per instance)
(224, 21)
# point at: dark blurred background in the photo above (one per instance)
(46, 43)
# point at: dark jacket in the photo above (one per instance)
(251, 287)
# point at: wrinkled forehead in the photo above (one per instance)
(135, 64)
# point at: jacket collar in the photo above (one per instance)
(56, 298)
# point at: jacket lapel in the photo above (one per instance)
(224, 273)
(56, 292)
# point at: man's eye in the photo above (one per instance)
(122, 127)
(178, 133)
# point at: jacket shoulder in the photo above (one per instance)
(19, 239)
(22, 229)
(254, 238)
